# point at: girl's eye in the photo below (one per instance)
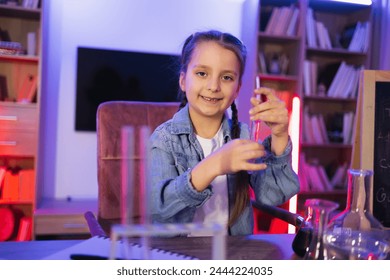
(227, 78)
(202, 74)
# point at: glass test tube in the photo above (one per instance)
(255, 125)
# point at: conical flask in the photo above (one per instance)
(319, 210)
(355, 233)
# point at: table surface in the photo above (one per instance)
(253, 247)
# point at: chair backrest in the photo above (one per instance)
(111, 117)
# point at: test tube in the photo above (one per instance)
(255, 126)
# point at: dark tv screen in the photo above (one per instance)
(107, 75)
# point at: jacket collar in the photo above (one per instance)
(181, 124)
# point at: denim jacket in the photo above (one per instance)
(174, 151)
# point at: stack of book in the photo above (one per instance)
(360, 39)
(10, 48)
(346, 81)
(283, 21)
(317, 35)
(316, 132)
(313, 177)
(343, 85)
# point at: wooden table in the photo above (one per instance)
(253, 247)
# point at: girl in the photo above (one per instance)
(200, 158)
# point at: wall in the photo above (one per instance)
(67, 159)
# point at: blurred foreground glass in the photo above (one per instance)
(303, 236)
(355, 233)
(134, 166)
(320, 210)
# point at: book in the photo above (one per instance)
(348, 121)
(358, 38)
(311, 35)
(302, 174)
(262, 63)
(269, 29)
(308, 130)
(339, 176)
(320, 34)
(25, 229)
(28, 89)
(314, 178)
(26, 184)
(317, 130)
(3, 88)
(337, 80)
(11, 186)
(355, 84)
(323, 130)
(283, 21)
(3, 169)
(98, 247)
(307, 78)
(323, 38)
(324, 177)
(292, 28)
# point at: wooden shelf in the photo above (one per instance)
(15, 202)
(19, 12)
(334, 52)
(19, 121)
(326, 146)
(279, 78)
(339, 196)
(19, 58)
(269, 38)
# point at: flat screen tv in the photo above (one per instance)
(107, 75)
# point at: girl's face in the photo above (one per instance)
(211, 82)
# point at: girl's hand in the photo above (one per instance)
(274, 113)
(235, 156)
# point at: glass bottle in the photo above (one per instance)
(320, 210)
(355, 233)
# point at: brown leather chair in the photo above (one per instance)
(111, 117)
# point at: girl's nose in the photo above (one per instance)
(214, 85)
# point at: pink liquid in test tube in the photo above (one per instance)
(255, 127)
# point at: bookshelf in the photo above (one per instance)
(324, 40)
(19, 114)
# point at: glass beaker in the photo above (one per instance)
(320, 210)
(355, 233)
(303, 236)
